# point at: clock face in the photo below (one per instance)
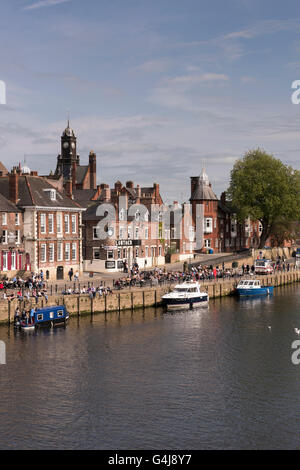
(73, 145)
(65, 145)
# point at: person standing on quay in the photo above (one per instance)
(71, 274)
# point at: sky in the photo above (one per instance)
(156, 88)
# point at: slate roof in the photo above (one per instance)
(32, 193)
(91, 213)
(81, 171)
(3, 169)
(7, 206)
(84, 196)
(203, 192)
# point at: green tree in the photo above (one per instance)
(265, 189)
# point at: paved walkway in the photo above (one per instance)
(200, 259)
(108, 278)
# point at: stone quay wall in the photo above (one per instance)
(130, 299)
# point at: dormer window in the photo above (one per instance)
(51, 193)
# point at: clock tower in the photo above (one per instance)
(68, 154)
(75, 176)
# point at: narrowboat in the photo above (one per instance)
(47, 316)
(185, 295)
(251, 287)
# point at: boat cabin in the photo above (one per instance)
(57, 314)
(249, 284)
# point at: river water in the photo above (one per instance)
(214, 378)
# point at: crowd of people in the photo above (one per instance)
(24, 316)
(34, 287)
(158, 276)
(90, 290)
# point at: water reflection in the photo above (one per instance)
(203, 378)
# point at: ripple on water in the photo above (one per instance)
(207, 378)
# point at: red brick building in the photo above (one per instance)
(52, 223)
(11, 237)
(132, 237)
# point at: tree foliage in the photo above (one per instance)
(265, 189)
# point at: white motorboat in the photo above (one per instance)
(186, 295)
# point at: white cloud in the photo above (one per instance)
(194, 79)
(232, 44)
(44, 4)
(184, 92)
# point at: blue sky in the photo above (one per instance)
(154, 87)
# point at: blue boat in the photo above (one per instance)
(253, 287)
(47, 316)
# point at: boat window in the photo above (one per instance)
(180, 289)
(251, 283)
(60, 313)
(193, 289)
(256, 283)
(51, 314)
(246, 283)
(40, 317)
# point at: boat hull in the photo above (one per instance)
(182, 304)
(267, 290)
(27, 327)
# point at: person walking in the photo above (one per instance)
(71, 274)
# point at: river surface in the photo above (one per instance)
(214, 378)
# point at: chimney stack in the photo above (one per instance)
(156, 192)
(223, 198)
(93, 170)
(195, 181)
(105, 192)
(13, 183)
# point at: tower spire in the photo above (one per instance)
(203, 177)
